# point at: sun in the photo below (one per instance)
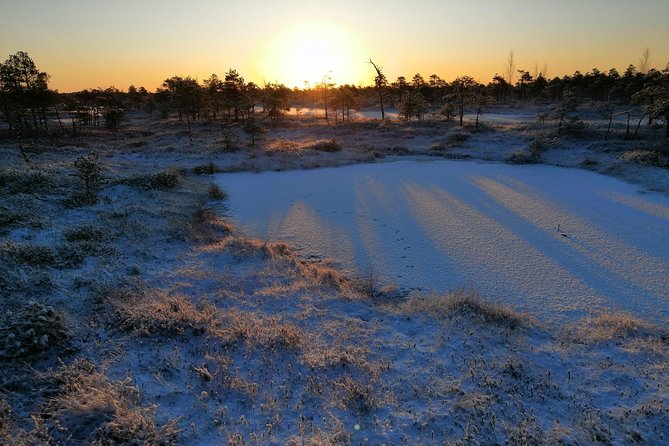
(303, 55)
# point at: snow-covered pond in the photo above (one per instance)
(443, 225)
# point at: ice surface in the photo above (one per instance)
(443, 225)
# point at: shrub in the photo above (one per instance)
(521, 157)
(88, 170)
(588, 162)
(10, 218)
(113, 118)
(457, 139)
(167, 179)
(329, 145)
(138, 144)
(539, 145)
(230, 141)
(207, 169)
(84, 232)
(216, 193)
(647, 157)
(28, 253)
(253, 129)
(32, 329)
(15, 181)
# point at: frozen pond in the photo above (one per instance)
(443, 225)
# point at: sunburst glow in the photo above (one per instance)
(308, 52)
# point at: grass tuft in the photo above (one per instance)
(465, 304)
(614, 327)
(159, 314)
(91, 409)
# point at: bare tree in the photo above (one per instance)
(644, 62)
(606, 110)
(380, 82)
(510, 68)
(327, 82)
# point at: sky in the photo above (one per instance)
(95, 43)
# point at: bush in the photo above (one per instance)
(138, 144)
(88, 170)
(521, 157)
(539, 145)
(84, 232)
(230, 141)
(32, 329)
(588, 162)
(329, 145)
(28, 253)
(216, 193)
(167, 179)
(647, 157)
(457, 139)
(15, 181)
(9, 218)
(207, 169)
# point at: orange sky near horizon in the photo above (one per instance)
(96, 43)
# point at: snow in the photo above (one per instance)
(444, 225)
(376, 369)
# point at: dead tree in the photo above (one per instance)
(380, 82)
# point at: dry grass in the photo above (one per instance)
(91, 409)
(324, 145)
(256, 331)
(464, 304)
(326, 277)
(282, 145)
(206, 227)
(614, 327)
(157, 313)
(647, 157)
(357, 395)
(246, 248)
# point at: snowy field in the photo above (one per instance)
(444, 225)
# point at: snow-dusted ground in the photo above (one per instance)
(442, 225)
(146, 307)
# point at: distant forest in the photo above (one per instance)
(28, 105)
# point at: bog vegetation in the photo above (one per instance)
(134, 313)
(640, 95)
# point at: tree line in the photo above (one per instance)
(26, 102)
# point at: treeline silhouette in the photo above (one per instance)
(27, 104)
